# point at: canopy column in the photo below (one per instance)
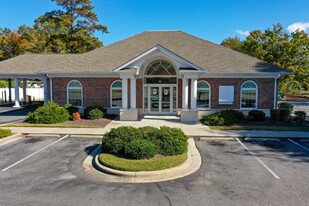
(16, 85)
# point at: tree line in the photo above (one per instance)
(275, 46)
(70, 29)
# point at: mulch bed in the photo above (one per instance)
(98, 123)
(296, 97)
(269, 122)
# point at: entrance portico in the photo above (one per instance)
(161, 73)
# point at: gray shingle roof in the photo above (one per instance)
(204, 54)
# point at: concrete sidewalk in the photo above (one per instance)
(190, 129)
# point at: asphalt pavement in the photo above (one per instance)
(48, 171)
(9, 114)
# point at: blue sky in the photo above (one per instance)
(207, 19)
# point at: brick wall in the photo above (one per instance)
(265, 92)
(96, 91)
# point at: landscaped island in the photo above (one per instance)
(143, 149)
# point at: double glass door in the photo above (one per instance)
(160, 99)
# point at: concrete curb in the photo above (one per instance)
(191, 165)
(9, 139)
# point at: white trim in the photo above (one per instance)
(82, 93)
(111, 94)
(209, 91)
(193, 94)
(84, 74)
(241, 75)
(124, 93)
(256, 94)
(132, 93)
(185, 94)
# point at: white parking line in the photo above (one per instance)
(260, 161)
(34, 153)
(305, 148)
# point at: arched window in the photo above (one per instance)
(249, 94)
(160, 67)
(75, 93)
(203, 95)
(116, 94)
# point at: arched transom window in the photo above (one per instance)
(160, 67)
(116, 94)
(203, 95)
(75, 93)
(249, 94)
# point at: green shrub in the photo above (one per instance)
(146, 130)
(114, 142)
(87, 111)
(140, 149)
(49, 113)
(71, 109)
(224, 117)
(5, 133)
(282, 115)
(300, 116)
(95, 114)
(274, 114)
(257, 115)
(287, 106)
(169, 141)
(213, 120)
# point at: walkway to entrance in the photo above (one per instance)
(190, 129)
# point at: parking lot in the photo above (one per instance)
(48, 171)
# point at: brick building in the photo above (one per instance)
(155, 72)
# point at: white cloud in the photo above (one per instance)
(302, 26)
(242, 32)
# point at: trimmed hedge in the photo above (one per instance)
(144, 142)
(287, 106)
(114, 142)
(49, 113)
(223, 118)
(300, 116)
(87, 111)
(95, 114)
(5, 133)
(170, 141)
(140, 149)
(280, 115)
(257, 115)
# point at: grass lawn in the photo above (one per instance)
(269, 128)
(124, 164)
(5, 133)
(266, 125)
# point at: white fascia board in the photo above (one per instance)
(241, 75)
(22, 76)
(126, 75)
(86, 74)
(164, 51)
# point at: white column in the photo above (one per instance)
(25, 90)
(185, 94)
(133, 93)
(125, 93)
(193, 93)
(16, 85)
(45, 90)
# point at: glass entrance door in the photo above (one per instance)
(154, 99)
(166, 99)
(160, 99)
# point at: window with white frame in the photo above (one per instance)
(203, 95)
(249, 91)
(116, 94)
(75, 93)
